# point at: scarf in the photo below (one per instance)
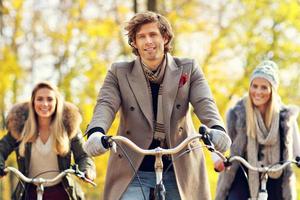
(157, 77)
(270, 143)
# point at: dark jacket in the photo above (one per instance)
(236, 126)
(71, 120)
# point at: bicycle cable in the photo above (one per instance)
(167, 169)
(21, 182)
(27, 185)
(180, 155)
(263, 173)
(131, 164)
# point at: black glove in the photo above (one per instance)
(2, 172)
(298, 161)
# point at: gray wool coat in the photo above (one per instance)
(236, 126)
(125, 90)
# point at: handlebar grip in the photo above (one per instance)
(105, 142)
(298, 161)
(3, 172)
(203, 130)
(227, 163)
(81, 174)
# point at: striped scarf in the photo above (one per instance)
(157, 77)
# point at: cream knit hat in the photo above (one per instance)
(268, 70)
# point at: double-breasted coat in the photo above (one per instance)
(125, 90)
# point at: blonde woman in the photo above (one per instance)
(45, 133)
(264, 131)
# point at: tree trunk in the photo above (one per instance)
(152, 5)
(135, 6)
(1, 16)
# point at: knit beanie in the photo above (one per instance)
(268, 70)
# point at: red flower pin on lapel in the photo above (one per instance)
(183, 79)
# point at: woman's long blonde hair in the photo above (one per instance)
(30, 131)
(272, 108)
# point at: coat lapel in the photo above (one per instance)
(170, 88)
(138, 84)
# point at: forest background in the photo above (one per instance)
(73, 43)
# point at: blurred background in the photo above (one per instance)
(72, 43)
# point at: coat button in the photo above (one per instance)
(120, 156)
(178, 106)
(131, 108)
(128, 132)
(180, 130)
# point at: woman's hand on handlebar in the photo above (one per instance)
(90, 174)
(219, 165)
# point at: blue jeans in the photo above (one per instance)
(148, 180)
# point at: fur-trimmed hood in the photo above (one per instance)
(17, 117)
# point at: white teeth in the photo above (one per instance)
(149, 49)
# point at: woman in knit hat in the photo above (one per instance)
(264, 132)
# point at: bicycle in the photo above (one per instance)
(263, 193)
(265, 170)
(159, 190)
(39, 182)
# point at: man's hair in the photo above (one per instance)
(135, 23)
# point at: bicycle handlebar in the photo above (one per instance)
(227, 161)
(43, 181)
(272, 168)
(155, 151)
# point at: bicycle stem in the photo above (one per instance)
(158, 165)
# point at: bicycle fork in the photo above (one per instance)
(263, 194)
(39, 191)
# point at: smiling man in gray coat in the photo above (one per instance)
(152, 94)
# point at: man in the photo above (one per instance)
(153, 93)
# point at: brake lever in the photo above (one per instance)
(111, 144)
(203, 130)
(114, 147)
(82, 175)
(227, 163)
